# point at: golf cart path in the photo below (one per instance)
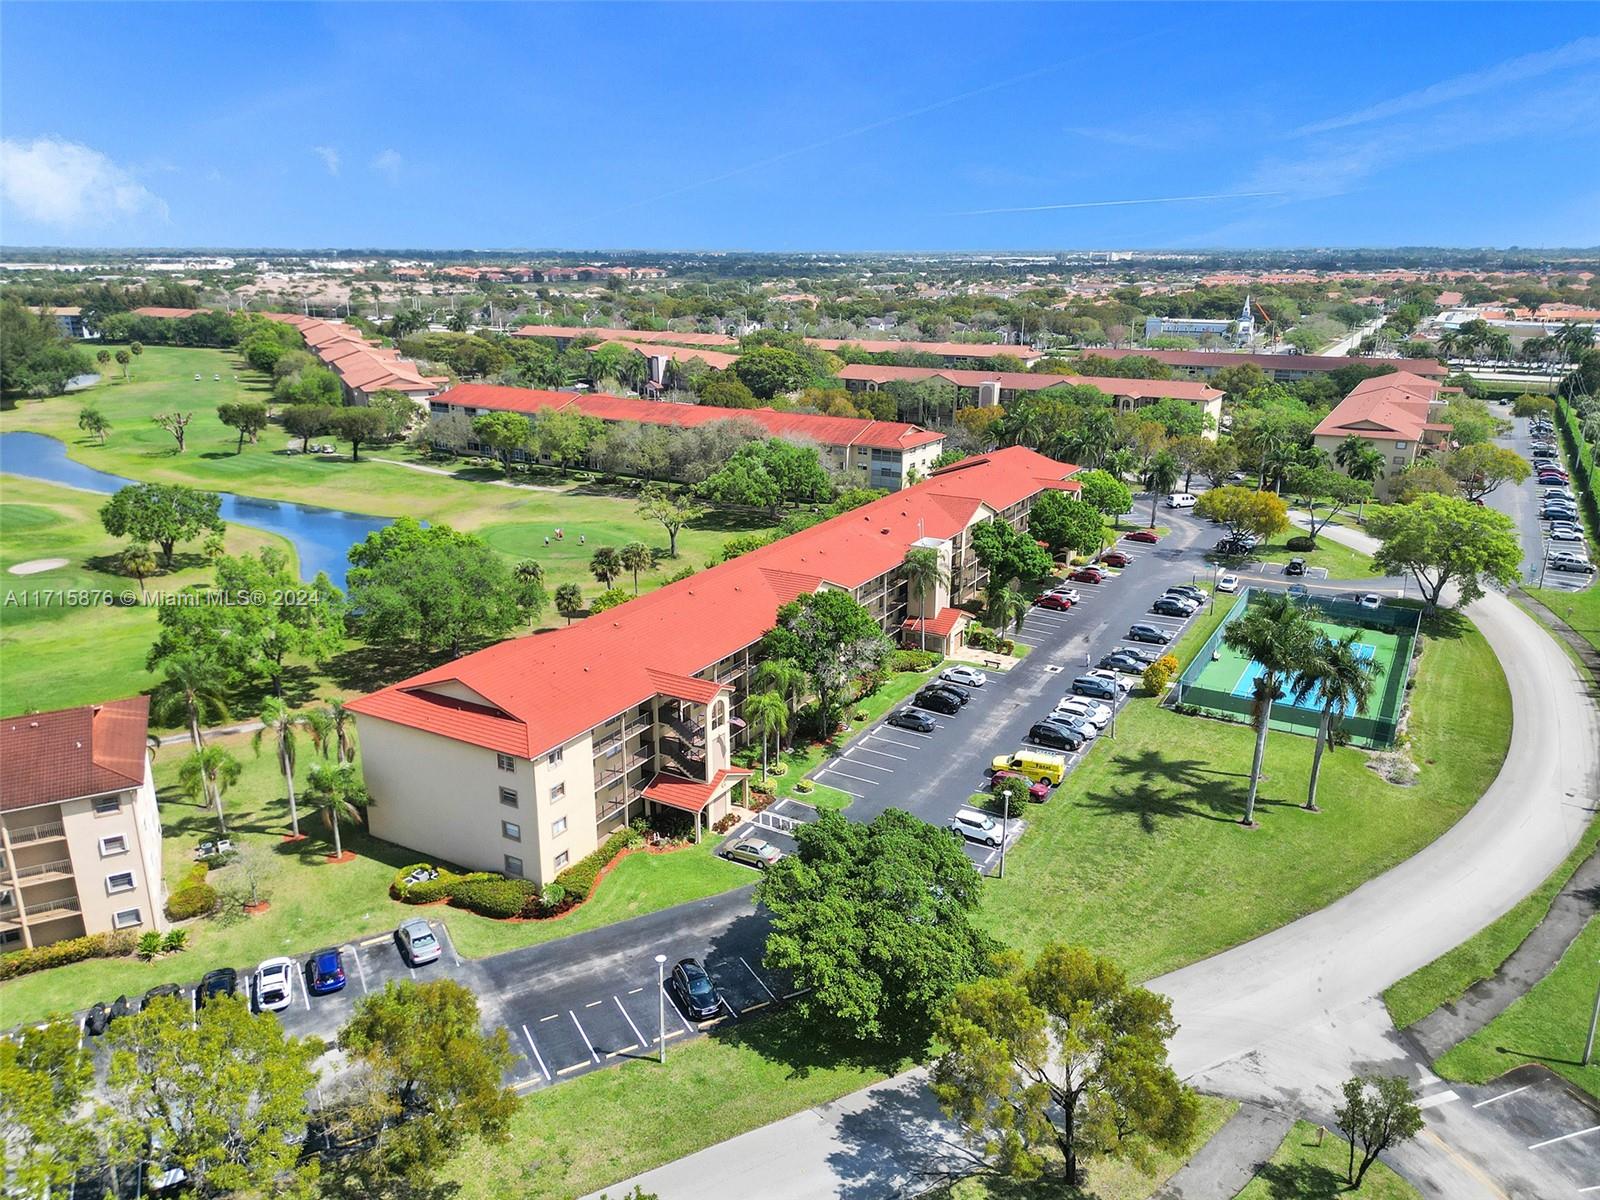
(1281, 1020)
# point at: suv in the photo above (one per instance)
(1087, 575)
(1172, 606)
(1566, 560)
(960, 695)
(1125, 664)
(1057, 737)
(1194, 593)
(939, 702)
(1295, 566)
(1094, 685)
(975, 826)
(694, 990)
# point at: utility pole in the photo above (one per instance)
(1005, 820)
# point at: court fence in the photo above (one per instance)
(1376, 731)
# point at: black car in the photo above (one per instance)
(157, 992)
(1296, 566)
(1188, 590)
(960, 695)
(939, 702)
(913, 719)
(1057, 737)
(694, 991)
(1171, 606)
(120, 1007)
(96, 1020)
(224, 981)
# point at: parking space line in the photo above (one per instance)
(642, 1039)
(551, 1017)
(305, 992)
(878, 737)
(757, 978)
(846, 774)
(1502, 1095)
(865, 766)
(1565, 1137)
(594, 1004)
(573, 1067)
(537, 1057)
(361, 971)
(1437, 1099)
(583, 1035)
(881, 753)
(927, 737)
(373, 941)
(837, 788)
(673, 1005)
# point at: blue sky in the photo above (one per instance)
(778, 127)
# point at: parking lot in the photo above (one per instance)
(1522, 504)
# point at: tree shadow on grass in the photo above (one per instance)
(1301, 1181)
(730, 520)
(366, 668)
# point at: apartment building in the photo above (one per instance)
(951, 352)
(878, 454)
(524, 756)
(1396, 414)
(80, 835)
(1280, 368)
(363, 366)
(988, 388)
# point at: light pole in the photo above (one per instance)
(1005, 819)
(661, 1003)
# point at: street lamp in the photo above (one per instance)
(661, 1003)
(1005, 819)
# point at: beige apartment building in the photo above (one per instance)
(80, 833)
(1396, 415)
(523, 757)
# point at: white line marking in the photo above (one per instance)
(1595, 1188)
(673, 1005)
(927, 737)
(594, 1004)
(537, 1057)
(1566, 1137)
(846, 774)
(635, 991)
(866, 766)
(1437, 1099)
(305, 992)
(551, 1017)
(880, 753)
(1502, 1095)
(836, 788)
(642, 1039)
(878, 737)
(361, 972)
(373, 941)
(583, 1035)
(757, 978)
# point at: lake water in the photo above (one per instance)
(321, 536)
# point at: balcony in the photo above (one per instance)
(49, 910)
(28, 834)
(42, 873)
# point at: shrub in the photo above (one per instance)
(553, 896)
(726, 823)
(70, 950)
(1302, 542)
(149, 945)
(175, 940)
(804, 785)
(1159, 674)
(427, 892)
(579, 878)
(609, 599)
(915, 660)
(492, 895)
(192, 900)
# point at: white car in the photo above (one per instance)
(1111, 677)
(274, 984)
(965, 676)
(1565, 560)
(1227, 582)
(1565, 535)
(1089, 710)
(1067, 711)
(1371, 600)
(1069, 594)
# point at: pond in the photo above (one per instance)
(321, 536)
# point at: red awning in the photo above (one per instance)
(690, 795)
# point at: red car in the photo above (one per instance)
(1087, 575)
(1115, 558)
(1038, 792)
(1051, 600)
(1142, 535)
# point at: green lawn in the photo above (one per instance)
(1448, 976)
(1108, 1179)
(1548, 1025)
(1342, 562)
(1581, 610)
(1139, 854)
(315, 903)
(1302, 1170)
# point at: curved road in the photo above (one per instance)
(1287, 1017)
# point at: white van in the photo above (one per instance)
(1180, 500)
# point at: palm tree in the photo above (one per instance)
(1361, 460)
(138, 561)
(341, 795)
(211, 771)
(1161, 476)
(923, 571)
(342, 719)
(1276, 633)
(191, 692)
(768, 717)
(786, 679)
(277, 720)
(1344, 679)
(636, 557)
(1004, 607)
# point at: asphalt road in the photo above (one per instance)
(1521, 504)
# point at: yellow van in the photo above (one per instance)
(1038, 765)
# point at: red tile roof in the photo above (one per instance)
(943, 349)
(540, 691)
(714, 359)
(688, 794)
(171, 314)
(72, 752)
(832, 431)
(1387, 405)
(940, 625)
(1029, 381)
(627, 335)
(1274, 362)
(685, 687)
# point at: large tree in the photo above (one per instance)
(1245, 510)
(222, 1091)
(769, 371)
(503, 433)
(1008, 554)
(359, 425)
(1160, 477)
(306, 421)
(249, 417)
(924, 574)
(1316, 487)
(834, 640)
(1482, 467)
(1277, 633)
(877, 921)
(1104, 491)
(1379, 1111)
(1440, 540)
(436, 588)
(1062, 1056)
(669, 509)
(46, 1118)
(1064, 523)
(163, 513)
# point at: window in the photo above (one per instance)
(508, 797)
(117, 843)
(126, 918)
(513, 865)
(10, 937)
(558, 827)
(1399, 460)
(505, 762)
(511, 831)
(1400, 445)
(562, 859)
(558, 792)
(120, 881)
(105, 805)
(553, 757)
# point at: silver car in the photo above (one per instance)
(417, 942)
(753, 852)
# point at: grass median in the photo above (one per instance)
(1301, 1169)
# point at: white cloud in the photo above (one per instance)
(388, 163)
(67, 185)
(329, 156)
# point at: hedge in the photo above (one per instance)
(495, 896)
(490, 894)
(192, 900)
(1582, 459)
(578, 879)
(914, 660)
(58, 954)
(1301, 542)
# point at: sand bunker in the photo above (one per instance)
(36, 566)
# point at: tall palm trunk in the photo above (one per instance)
(338, 846)
(1324, 726)
(288, 781)
(1263, 720)
(763, 758)
(212, 797)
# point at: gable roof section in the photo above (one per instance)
(1393, 405)
(550, 687)
(72, 752)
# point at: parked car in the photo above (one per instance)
(937, 702)
(1089, 710)
(1093, 685)
(913, 719)
(1116, 558)
(1124, 664)
(1087, 730)
(1299, 591)
(325, 972)
(417, 942)
(1295, 566)
(1172, 606)
(975, 826)
(1227, 582)
(1565, 560)
(1194, 593)
(1122, 685)
(120, 1007)
(695, 992)
(1038, 792)
(753, 852)
(224, 981)
(960, 695)
(1565, 534)
(1143, 653)
(1066, 593)
(1087, 575)
(1148, 536)
(96, 1019)
(1149, 633)
(1038, 765)
(1180, 500)
(1057, 737)
(273, 985)
(965, 676)
(159, 992)
(1052, 601)
(1371, 600)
